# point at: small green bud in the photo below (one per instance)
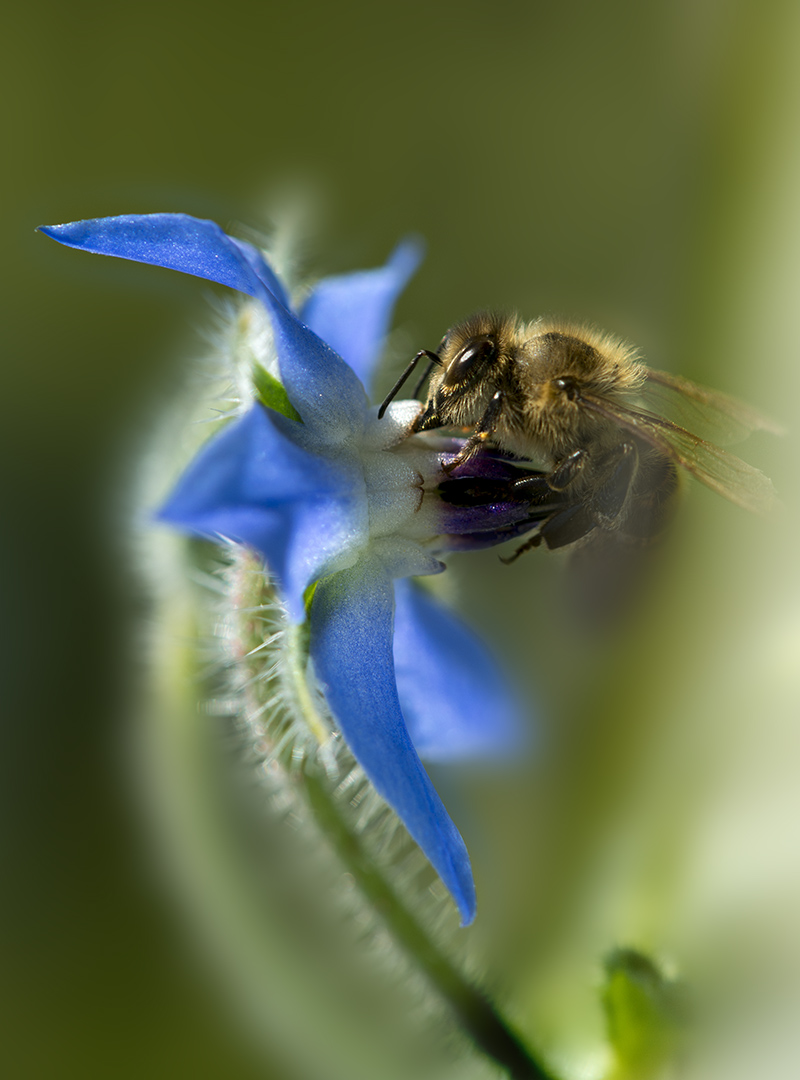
(645, 1013)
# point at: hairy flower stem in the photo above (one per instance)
(297, 654)
(485, 1026)
(478, 1017)
(481, 1021)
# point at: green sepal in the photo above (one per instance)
(645, 1014)
(308, 596)
(272, 394)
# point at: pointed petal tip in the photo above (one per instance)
(49, 230)
(467, 915)
(409, 253)
(465, 900)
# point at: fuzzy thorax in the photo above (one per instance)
(523, 383)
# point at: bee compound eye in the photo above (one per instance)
(471, 358)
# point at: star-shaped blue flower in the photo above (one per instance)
(349, 502)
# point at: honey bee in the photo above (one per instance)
(581, 404)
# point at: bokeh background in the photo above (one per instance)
(635, 165)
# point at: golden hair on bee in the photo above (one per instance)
(606, 362)
(516, 383)
(581, 404)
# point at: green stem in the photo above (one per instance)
(481, 1021)
(297, 659)
(485, 1026)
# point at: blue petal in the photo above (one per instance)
(251, 484)
(322, 388)
(352, 312)
(351, 645)
(263, 270)
(177, 242)
(456, 700)
(326, 392)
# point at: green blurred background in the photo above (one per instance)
(635, 165)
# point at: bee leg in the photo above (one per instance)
(482, 432)
(533, 542)
(561, 529)
(603, 510)
(610, 497)
(567, 526)
(432, 358)
(535, 490)
(567, 470)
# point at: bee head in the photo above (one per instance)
(473, 355)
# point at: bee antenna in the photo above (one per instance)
(432, 357)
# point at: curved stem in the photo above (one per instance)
(297, 656)
(478, 1016)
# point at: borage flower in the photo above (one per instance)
(333, 497)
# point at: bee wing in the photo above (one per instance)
(697, 408)
(722, 472)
